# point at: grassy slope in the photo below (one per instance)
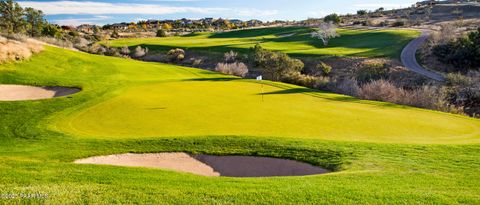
(34, 159)
(363, 43)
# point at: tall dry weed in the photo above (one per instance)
(12, 50)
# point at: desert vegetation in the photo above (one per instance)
(454, 52)
(16, 50)
(463, 52)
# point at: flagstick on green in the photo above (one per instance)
(260, 78)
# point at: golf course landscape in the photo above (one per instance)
(295, 41)
(378, 153)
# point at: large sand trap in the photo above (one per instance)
(24, 92)
(171, 161)
(206, 165)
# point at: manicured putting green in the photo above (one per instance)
(235, 107)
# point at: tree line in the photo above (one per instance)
(17, 20)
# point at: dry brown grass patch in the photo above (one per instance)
(11, 50)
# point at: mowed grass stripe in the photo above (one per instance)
(358, 43)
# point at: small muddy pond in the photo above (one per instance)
(208, 165)
(25, 92)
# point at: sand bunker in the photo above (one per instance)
(23, 92)
(207, 165)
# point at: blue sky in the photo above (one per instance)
(75, 12)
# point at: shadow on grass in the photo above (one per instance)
(379, 42)
(212, 79)
(249, 33)
(332, 97)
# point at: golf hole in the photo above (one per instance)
(25, 92)
(208, 165)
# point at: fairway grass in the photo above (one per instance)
(433, 159)
(357, 43)
(237, 107)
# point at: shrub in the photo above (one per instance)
(464, 91)
(230, 57)
(347, 86)
(52, 31)
(362, 12)
(56, 41)
(457, 79)
(334, 18)
(424, 97)
(140, 52)
(398, 23)
(237, 68)
(381, 90)
(176, 54)
(197, 62)
(463, 52)
(323, 68)
(81, 44)
(112, 51)
(101, 50)
(73, 34)
(161, 33)
(11, 50)
(125, 51)
(363, 23)
(275, 64)
(115, 34)
(305, 80)
(370, 71)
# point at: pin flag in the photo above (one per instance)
(261, 78)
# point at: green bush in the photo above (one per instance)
(275, 64)
(51, 30)
(323, 68)
(371, 71)
(398, 23)
(334, 18)
(305, 80)
(464, 53)
(161, 33)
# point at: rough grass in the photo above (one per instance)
(34, 159)
(363, 43)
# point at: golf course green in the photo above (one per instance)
(237, 107)
(295, 41)
(379, 153)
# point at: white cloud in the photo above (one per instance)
(89, 7)
(255, 12)
(99, 8)
(318, 14)
(79, 21)
(384, 5)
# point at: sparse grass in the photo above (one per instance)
(363, 43)
(12, 50)
(34, 158)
